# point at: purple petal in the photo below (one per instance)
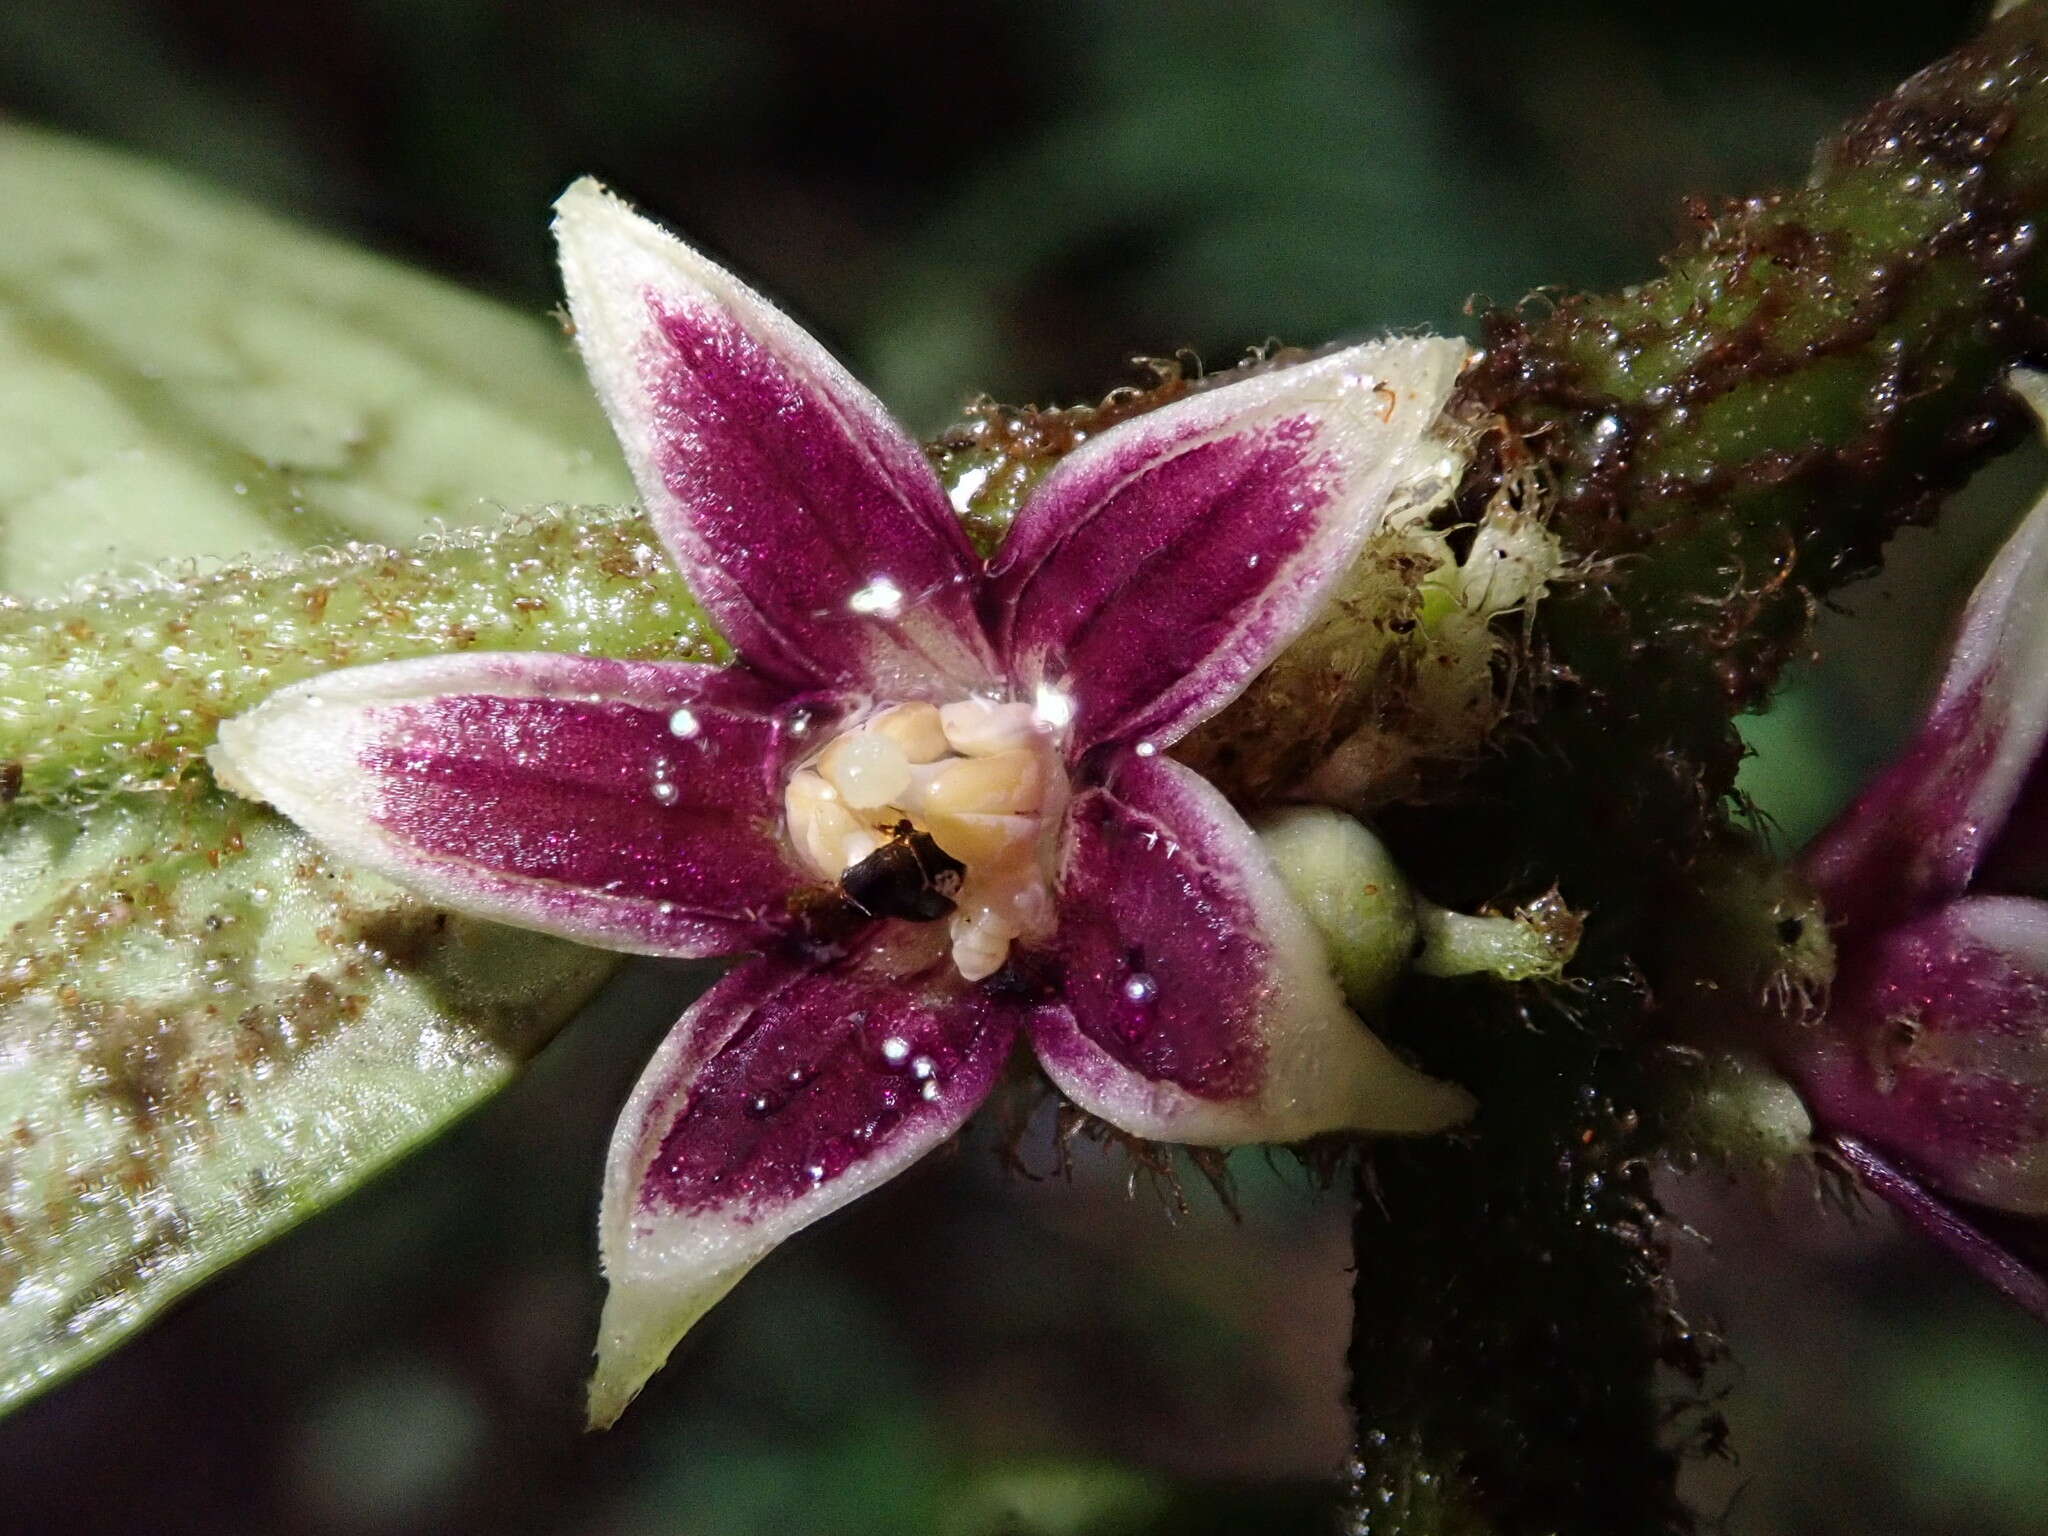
(1200, 1004)
(1967, 1238)
(786, 1092)
(802, 516)
(1919, 834)
(1159, 567)
(1935, 1049)
(636, 805)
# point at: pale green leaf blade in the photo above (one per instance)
(207, 1031)
(181, 374)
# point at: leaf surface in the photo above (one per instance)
(207, 1029)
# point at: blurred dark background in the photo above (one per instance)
(1014, 198)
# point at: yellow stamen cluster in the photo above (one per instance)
(976, 775)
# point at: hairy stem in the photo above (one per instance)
(1725, 446)
(119, 688)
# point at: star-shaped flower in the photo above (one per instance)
(933, 795)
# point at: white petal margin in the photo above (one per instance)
(548, 791)
(787, 1091)
(801, 513)
(1170, 904)
(1161, 565)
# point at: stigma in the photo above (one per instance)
(953, 799)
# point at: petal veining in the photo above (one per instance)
(785, 1092)
(1159, 567)
(636, 805)
(807, 522)
(1200, 1006)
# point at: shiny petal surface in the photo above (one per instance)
(1199, 1002)
(803, 517)
(1967, 1236)
(787, 1091)
(635, 805)
(1159, 567)
(1924, 828)
(1935, 1050)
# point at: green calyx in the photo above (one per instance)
(1376, 927)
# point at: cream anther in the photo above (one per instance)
(980, 840)
(1002, 783)
(867, 768)
(976, 776)
(982, 727)
(981, 942)
(916, 728)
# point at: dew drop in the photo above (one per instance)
(895, 1050)
(930, 1090)
(760, 1104)
(1139, 987)
(923, 1068)
(665, 792)
(880, 596)
(683, 724)
(1053, 707)
(816, 1172)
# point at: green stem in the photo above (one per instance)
(1726, 445)
(1737, 439)
(118, 689)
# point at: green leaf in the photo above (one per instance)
(207, 1029)
(208, 1032)
(183, 375)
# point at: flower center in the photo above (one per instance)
(925, 811)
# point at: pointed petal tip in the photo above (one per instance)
(584, 193)
(595, 228)
(641, 1326)
(517, 787)
(1403, 1101)
(1201, 1005)
(285, 752)
(223, 759)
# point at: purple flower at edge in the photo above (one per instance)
(932, 796)
(1929, 1073)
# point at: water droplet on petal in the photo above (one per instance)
(684, 724)
(1053, 707)
(665, 792)
(895, 1050)
(930, 1090)
(923, 1068)
(880, 596)
(1139, 987)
